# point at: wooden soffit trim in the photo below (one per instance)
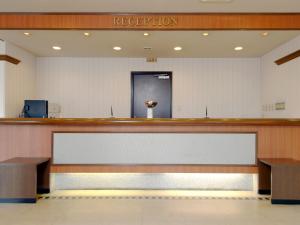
(150, 21)
(9, 59)
(288, 58)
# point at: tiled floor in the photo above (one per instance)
(149, 207)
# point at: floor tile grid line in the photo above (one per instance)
(149, 198)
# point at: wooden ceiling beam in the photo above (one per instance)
(9, 59)
(288, 58)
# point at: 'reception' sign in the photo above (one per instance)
(145, 21)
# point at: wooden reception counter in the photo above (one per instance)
(275, 138)
(140, 122)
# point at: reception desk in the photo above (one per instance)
(155, 146)
(258, 138)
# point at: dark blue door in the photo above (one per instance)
(156, 86)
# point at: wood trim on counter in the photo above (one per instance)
(288, 58)
(36, 141)
(148, 122)
(9, 59)
(151, 21)
(152, 169)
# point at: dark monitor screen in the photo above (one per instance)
(36, 109)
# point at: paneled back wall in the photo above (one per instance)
(2, 90)
(281, 83)
(17, 82)
(87, 87)
(2, 80)
(20, 80)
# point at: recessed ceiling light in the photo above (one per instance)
(86, 34)
(264, 34)
(57, 48)
(146, 34)
(205, 34)
(117, 48)
(238, 48)
(177, 48)
(27, 33)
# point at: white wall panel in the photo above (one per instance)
(154, 148)
(2, 81)
(87, 87)
(20, 80)
(2, 90)
(281, 83)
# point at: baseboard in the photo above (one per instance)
(264, 191)
(285, 201)
(17, 200)
(43, 190)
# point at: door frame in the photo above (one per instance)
(136, 73)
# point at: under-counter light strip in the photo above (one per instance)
(204, 181)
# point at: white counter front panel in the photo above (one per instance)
(154, 148)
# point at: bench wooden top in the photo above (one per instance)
(280, 161)
(25, 160)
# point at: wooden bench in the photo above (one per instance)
(22, 178)
(280, 178)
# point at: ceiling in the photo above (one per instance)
(148, 6)
(194, 45)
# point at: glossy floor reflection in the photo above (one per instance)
(138, 207)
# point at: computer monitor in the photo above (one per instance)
(35, 109)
